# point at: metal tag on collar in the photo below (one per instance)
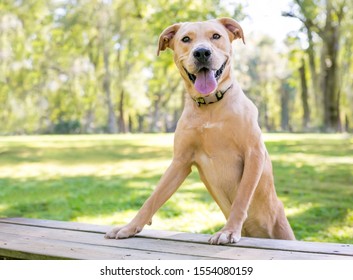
(200, 101)
(219, 95)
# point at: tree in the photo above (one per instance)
(325, 19)
(304, 95)
(260, 69)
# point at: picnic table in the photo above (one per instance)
(22, 238)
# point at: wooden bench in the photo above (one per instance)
(22, 238)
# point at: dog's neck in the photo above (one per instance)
(212, 98)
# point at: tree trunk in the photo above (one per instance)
(155, 114)
(130, 124)
(329, 65)
(112, 126)
(330, 35)
(304, 96)
(284, 106)
(140, 120)
(314, 75)
(121, 121)
(88, 126)
(346, 124)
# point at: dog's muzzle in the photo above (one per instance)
(205, 80)
(217, 74)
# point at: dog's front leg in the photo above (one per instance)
(169, 183)
(253, 167)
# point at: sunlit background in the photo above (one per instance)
(90, 66)
(85, 105)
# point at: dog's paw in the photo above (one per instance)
(123, 232)
(225, 237)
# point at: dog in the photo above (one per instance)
(218, 132)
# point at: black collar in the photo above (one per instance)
(213, 98)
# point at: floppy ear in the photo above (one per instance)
(234, 29)
(166, 37)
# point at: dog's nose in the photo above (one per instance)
(202, 54)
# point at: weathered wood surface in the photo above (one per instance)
(22, 238)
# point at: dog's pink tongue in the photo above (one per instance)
(205, 82)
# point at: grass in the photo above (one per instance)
(105, 179)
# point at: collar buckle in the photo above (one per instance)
(200, 100)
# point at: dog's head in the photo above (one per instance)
(202, 52)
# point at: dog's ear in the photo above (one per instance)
(166, 37)
(234, 29)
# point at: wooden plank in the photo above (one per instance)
(20, 247)
(97, 241)
(57, 224)
(178, 248)
(271, 244)
(262, 243)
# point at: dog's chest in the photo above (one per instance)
(220, 167)
(214, 141)
(206, 127)
(213, 136)
(217, 147)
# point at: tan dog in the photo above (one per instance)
(222, 139)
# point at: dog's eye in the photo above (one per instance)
(216, 36)
(186, 39)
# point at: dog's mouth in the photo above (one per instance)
(206, 79)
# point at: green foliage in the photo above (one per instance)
(323, 45)
(105, 180)
(93, 63)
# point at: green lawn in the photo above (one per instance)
(104, 180)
